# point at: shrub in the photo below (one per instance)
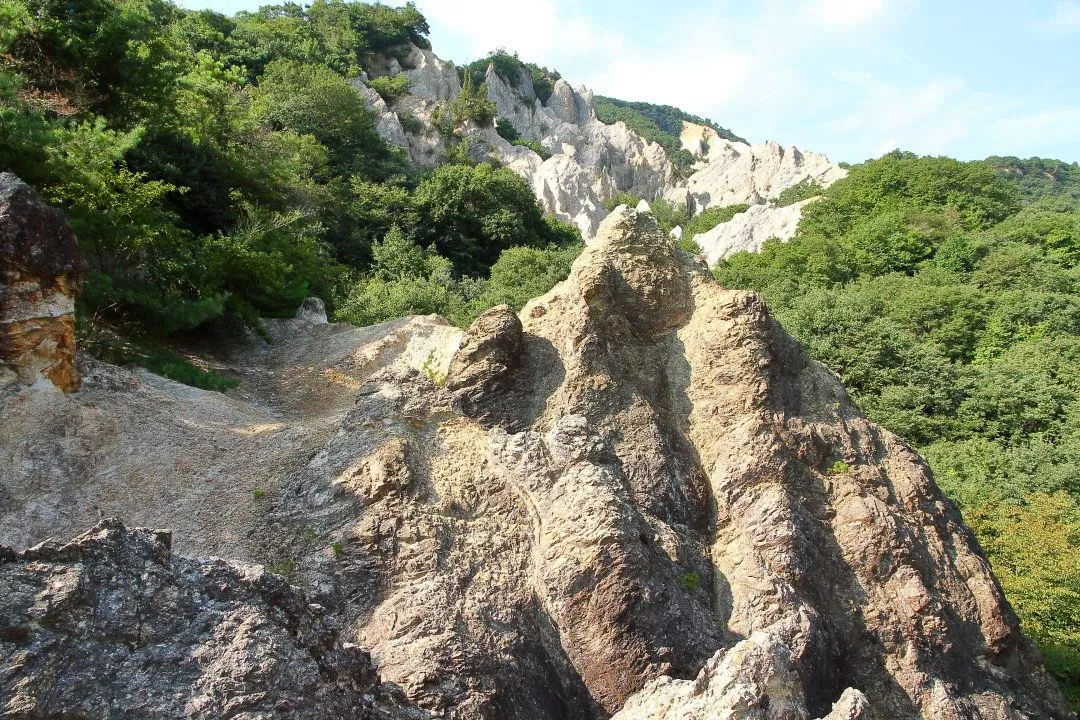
(472, 105)
(670, 215)
(472, 214)
(506, 130)
(391, 87)
(622, 198)
(690, 582)
(708, 219)
(535, 146)
(797, 193)
(410, 123)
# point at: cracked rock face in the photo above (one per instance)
(112, 625)
(616, 503)
(41, 271)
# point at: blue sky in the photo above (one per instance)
(849, 78)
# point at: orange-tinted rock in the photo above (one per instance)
(41, 270)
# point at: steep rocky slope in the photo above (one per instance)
(637, 496)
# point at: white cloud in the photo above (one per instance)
(843, 14)
(545, 33)
(1066, 16)
(1054, 125)
(943, 114)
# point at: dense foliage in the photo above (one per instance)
(224, 168)
(1039, 178)
(946, 295)
(513, 71)
(706, 220)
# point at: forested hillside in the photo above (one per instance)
(220, 169)
(946, 295)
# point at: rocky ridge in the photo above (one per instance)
(591, 162)
(636, 498)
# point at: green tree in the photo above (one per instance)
(472, 214)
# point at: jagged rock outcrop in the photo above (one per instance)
(387, 122)
(112, 624)
(592, 161)
(638, 477)
(748, 231)
(737, 173)
(41, 270)
(433, 83)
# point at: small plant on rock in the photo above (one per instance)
(430, 369)
(690, 582)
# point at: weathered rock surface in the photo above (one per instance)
(113, 625)
(162, 454)
(737, 173)
(387, 122)
(754, 680)
(748, 231)
(629, 481)
(41, 270)
(592, 161)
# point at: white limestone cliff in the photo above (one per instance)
(748, 231)
(735, 173)
(591, 162)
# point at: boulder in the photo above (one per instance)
(112, 624)
(41, 271)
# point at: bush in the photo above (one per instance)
(506, 130)
(391, 87)
(622, 198)
(535, 146)
(472, 214)
(797, 193)
(670, 215)
(471, 105)
(708, 219)
(410, 123)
